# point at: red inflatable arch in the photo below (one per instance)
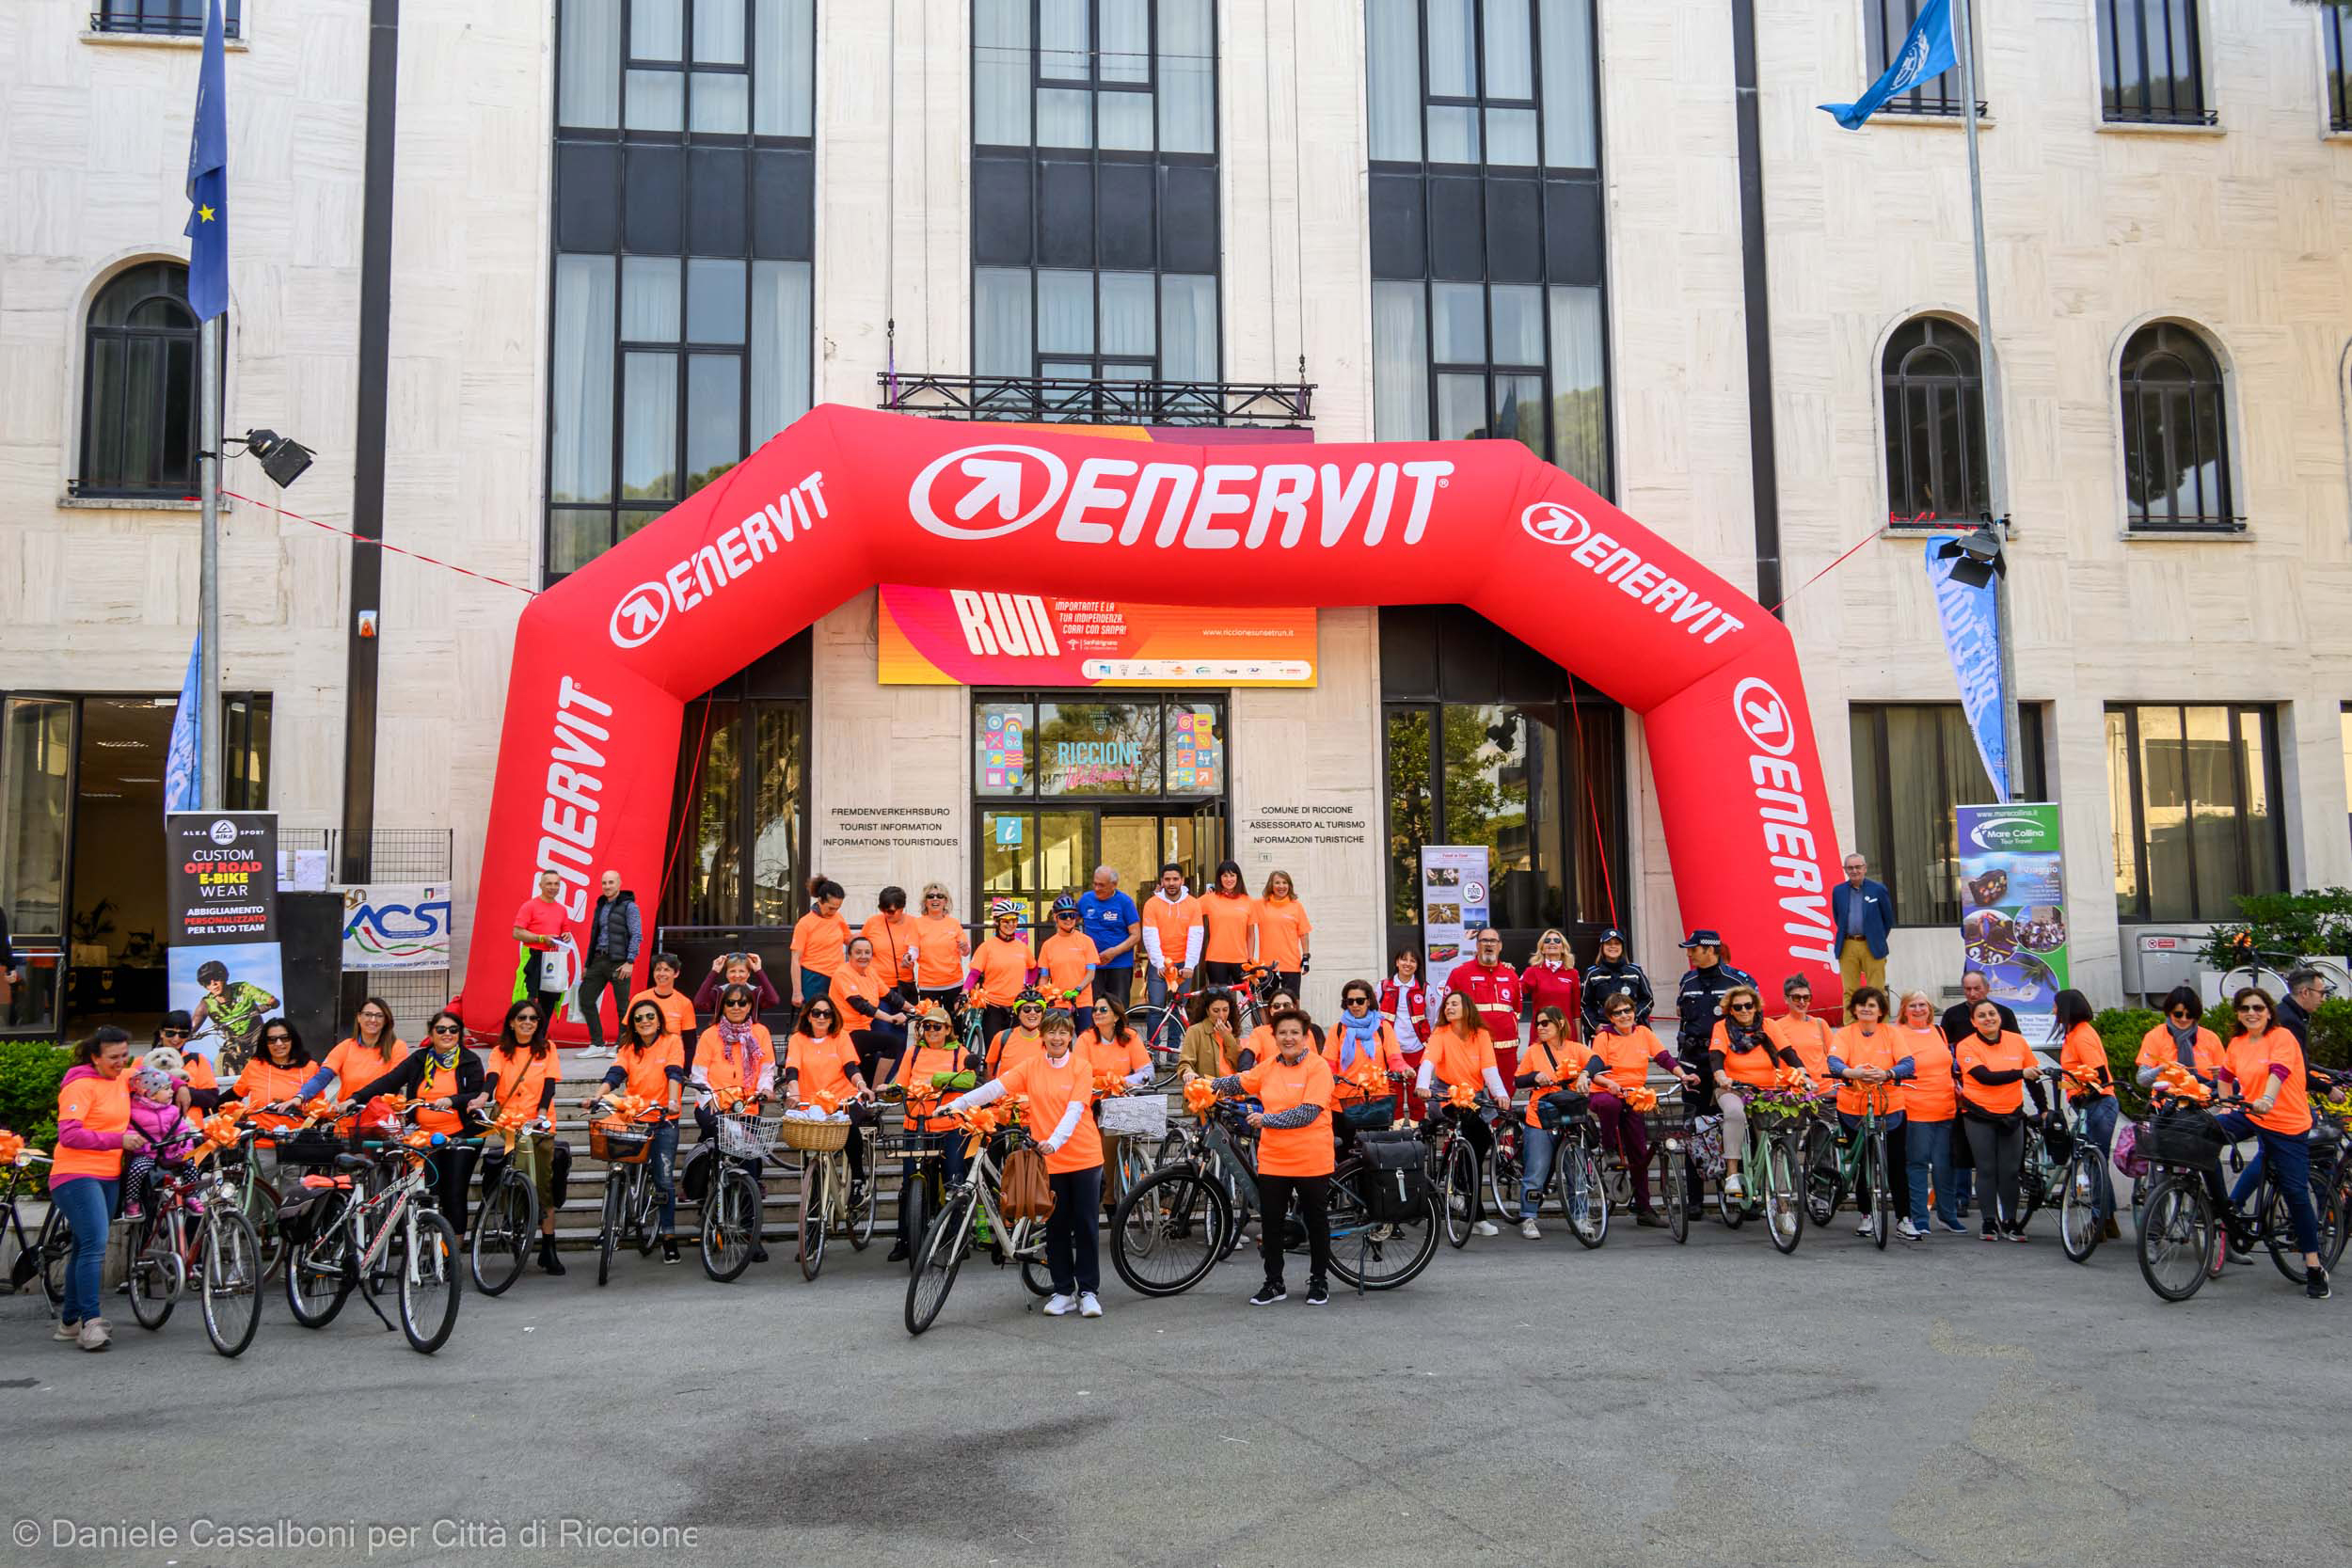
(605, 661)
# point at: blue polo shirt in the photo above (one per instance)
(1107, 921)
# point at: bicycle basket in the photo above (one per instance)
(1135, 1115)
(619, 1143)
(742, 1136)
(2186, 1137)
(811, 1137)
(1395, 1178)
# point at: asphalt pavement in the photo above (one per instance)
(1948, 1403)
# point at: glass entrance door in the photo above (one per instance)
(36, 749)
(1037, 854)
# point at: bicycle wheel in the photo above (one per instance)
(1461, 1192)
(2279, 1232)
(230, 1259)
(2176, 1239)
(2335, 1220)
(2078, 1205)
(1506, 1170)
(914, 1216)
(810, 1248)
(730, 1224)
(503, 1235)
(1371, 1254)
(1673, 1175)
(319, 1276)
(1161, 1031)
(1168, 1233)
(56, 1245)
(1587, 1205)
(1824, 1179)
(2033, 1181)
(429, 1283)
(261, 1211)
(1784, 1203)
(1881, 1182)
(2139, 1204)
(156, 1275)
(609, 1237)
(1034, 1277)
(938, 1256)
(862, 1216)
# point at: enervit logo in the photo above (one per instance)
(640, 614)
(988, 491)
(1624, 569)
(1764, 717)
(991, 504)
(1549, 523)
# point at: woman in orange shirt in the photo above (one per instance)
(1295, 1153)
(1258, 1047)
(871, 1009)
(1799, 1031)
(1461, 1052)
(1866, 1058)
(1997, 1069)
(275, 1073)
(2266, 1061)
(1058, 1089)
(1002, 967)
(2181, 1038)
(650, 1064)
(1112, 1046)
(1025, 1038)
(521, 1076)
(445, 1080)
(373, 1049)
(1282, 930)
(1928, 1107)
(1362, 1050)
(94, 1132)
(1742, 1054)
(1226, 913)
(735, 1061)
(893, 936)
(2089, 1090)
(940, 947)
(820, 939)
(1068, 958)
(1619, 1058)
(821, 1059)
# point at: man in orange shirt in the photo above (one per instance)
(677, 1008)
(1172, 934)
(1294, 1153)
(1069, 958)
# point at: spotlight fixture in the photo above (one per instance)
(283, 458)
(1977, 558)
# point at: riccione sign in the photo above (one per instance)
(847, 499)
(973, 636)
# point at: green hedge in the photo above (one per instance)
(30, 1072)
(2122, 1029)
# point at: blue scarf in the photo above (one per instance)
(1359, 1034)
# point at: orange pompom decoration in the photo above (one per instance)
(1461, 1096)
(1108, 1085)
(2175, 1079)
(1199, 1095)
(1172, 974)
(11, 1148)
(318, 1106)
(1640, 1098)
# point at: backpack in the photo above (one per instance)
(1395, 1181)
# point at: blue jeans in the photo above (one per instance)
(2291, 1158)
(1536, 1147)
(1928, 1157)
(88, 1204)
(2098, 1125)
(659, 1166)
(2240, 1127)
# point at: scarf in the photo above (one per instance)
(436, 1063)
(733, 1035)
(1359, 1034)
(2184, 1042)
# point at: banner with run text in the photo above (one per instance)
(963, 637)
(2012, 910)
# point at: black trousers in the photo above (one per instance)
(599, 975)
(1474, 1128)
(1072, 1253)
(1314, 1212)
(1117, 983)
(449, 1169)
(1999, 1149)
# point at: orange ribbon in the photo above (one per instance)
(1199, 1095)
(1461, 1096)
(1109, 1086)
(2175, 1079)
(11, 1146)
(1172, 974)
(510, 1125)
(1639, 1099)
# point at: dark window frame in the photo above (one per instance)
(164, 18)
(1901, 375)
(161, 482)
(2335, 31)
(1885, 24)
(2202, 393)
(2273, 769)
(2130, 96)
(2029, 768)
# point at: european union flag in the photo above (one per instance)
(208, 179)
(1927, 52)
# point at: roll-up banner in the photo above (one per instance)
(2012, 910)
(225, 967)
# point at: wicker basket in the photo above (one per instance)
(814, 1137)
(1134, 1116)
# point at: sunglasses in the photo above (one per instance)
(172, 1034)
(823, 1012)
(2252, 1008)
(1801, 996)
(936, 1027)
(1359, 1001)
(278, 1039)
(2183, 1012)
(1628, 1012)
(1736, 1007)
(738, 1004)
(934, 898)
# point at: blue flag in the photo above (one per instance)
(1971, 635)
(1927, 52)
(183, 777)
(208, 179)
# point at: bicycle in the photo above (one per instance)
(507, 1224)
(940, 1255)
(47, 1254)
(367, 1237)
(1575, 1170)
(1218, 1148)
(2267, 968)
(194, 1232)
(2078, 1180)
(623, 1139)
(1853, 1162)
(735, 1202)
(1161, 1024)
(1454, 1167)
(2179, 1232)
(828, 1197)
(1777, 1119)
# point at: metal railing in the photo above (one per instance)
(1049, 400)
(161, 18)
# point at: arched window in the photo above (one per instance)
(138, 387)
(1934, 392)
(2176, 453)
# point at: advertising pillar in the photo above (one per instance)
(2012, 910)
(225, 966)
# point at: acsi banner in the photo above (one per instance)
(2012, 903)
(396, 926)
(1972, 636)
(1453, 900)
(964, 637)
(225, 969)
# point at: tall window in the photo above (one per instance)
(182, 18)
(2192, 791)
(1913, 764)
(2176, 452)
(138, 387)
(1934, 396)
(683, 211)
(1886, 24)
(738, 846)
(2334, 26)
(2151, 62)
(1487, 311)
(1094, 190)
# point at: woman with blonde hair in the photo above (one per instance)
(941, 948)
(1552, 980)
(1283, 927)
(1929, 1103)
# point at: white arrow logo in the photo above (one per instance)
(999, 481)
(1763, 716)
(999, 472)
(640, 614)
(1551, 523)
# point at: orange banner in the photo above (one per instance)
(962, 637)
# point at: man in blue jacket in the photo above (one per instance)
(616, 931)
(1865, 913)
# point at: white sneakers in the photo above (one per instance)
(94, 1334)
(1059, 1305)
(1484, 1227)
(1908, 1232)
(1734, 1188)
(1870, 1225)
(1090, 1305)
(1527, 1229)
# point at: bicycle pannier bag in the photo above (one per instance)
(1559, 1107)
(1023, 1192)
(1707, 1146)
(2128, 1159)
(693, 1177)
(1397, 1181)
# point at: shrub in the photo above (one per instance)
(2122, 1029)
(2331, 1035)
(2317, 920)
(30, 1072)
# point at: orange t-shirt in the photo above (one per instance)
(2008, 1053)
(1069, 960)
(891, 939)
(1459, 1063)
(1882, 1049)
(2251, 1063)
(1050, 1090)
(646, 1071)
(1004, 970)
(2086, 1054)
(521, 1078)
(742, 1074)
(2157, 1049)
(1173, 921)
(1122, 1056)
(1227, 938)
(1282, 931)
(866, 988)
(1626, 1058)
(1259, 1044)
(102, 1105)
(677, 1011)
(432, 1085)
(261, 1084)
(1014, 1046)
(1562, 1064)
(1926, 1094)
(1281, 1086)
(940, 949)
(824, 1066)
(1385, 1058)
(356, 1064)
(818, 941)
(1809, 1040)
(919, 1066)
(1757, 1067)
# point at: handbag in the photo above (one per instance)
(1023, 1192)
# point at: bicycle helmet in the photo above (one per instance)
(1029, 997)
(211, 969)
(1065, 905)
(1004, 909)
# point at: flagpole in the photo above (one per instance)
(208, 717)
(1995, 440)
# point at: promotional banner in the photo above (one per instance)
(605, 661)
(1453, 901)
(1971, 635)
(966, 637)
(2012, 910)
(396, 926)
(221, 890)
